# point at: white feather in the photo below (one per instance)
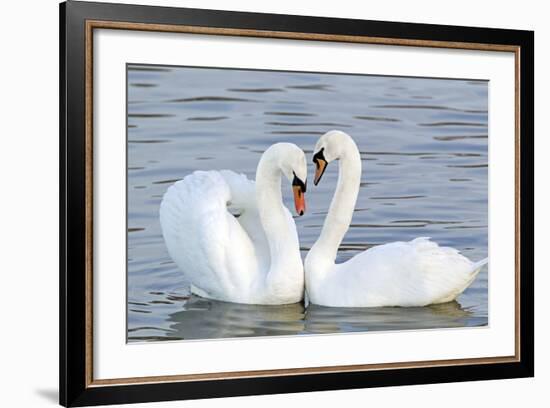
(227, 257)
(415, 273)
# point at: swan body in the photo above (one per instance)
(414, 273)
(253, 258)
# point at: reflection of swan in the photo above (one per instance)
(211, 319)
(321, 319)
(414, 273)
(251, 259)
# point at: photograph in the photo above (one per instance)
(254, 203)
(285, 203)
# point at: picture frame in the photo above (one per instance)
(79, 20)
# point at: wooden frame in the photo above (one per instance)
(77, 22)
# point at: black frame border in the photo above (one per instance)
(72, 103)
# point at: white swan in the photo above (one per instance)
(253, 258)
(415, 273)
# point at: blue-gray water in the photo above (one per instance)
(423, 143)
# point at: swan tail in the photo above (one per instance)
(447, 272)
(476, 267)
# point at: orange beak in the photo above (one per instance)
(320, 167)
(299, 200)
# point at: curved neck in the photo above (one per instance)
(270, 204)
(283, 242)
(342, 206)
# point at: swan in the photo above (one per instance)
(414, 273)
(252, 258)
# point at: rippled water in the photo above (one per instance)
(423, 143)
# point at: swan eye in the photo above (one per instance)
(320, 155)
(299, 183)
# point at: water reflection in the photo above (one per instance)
(204, 318)
(208, 319)
(334, 320)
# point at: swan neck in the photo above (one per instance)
(341, 208)
(272, 212)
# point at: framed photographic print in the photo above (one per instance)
(256, 203)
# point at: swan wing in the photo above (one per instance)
(244, 206)
(204, 239)
(414, 273)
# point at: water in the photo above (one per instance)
(423, 143)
